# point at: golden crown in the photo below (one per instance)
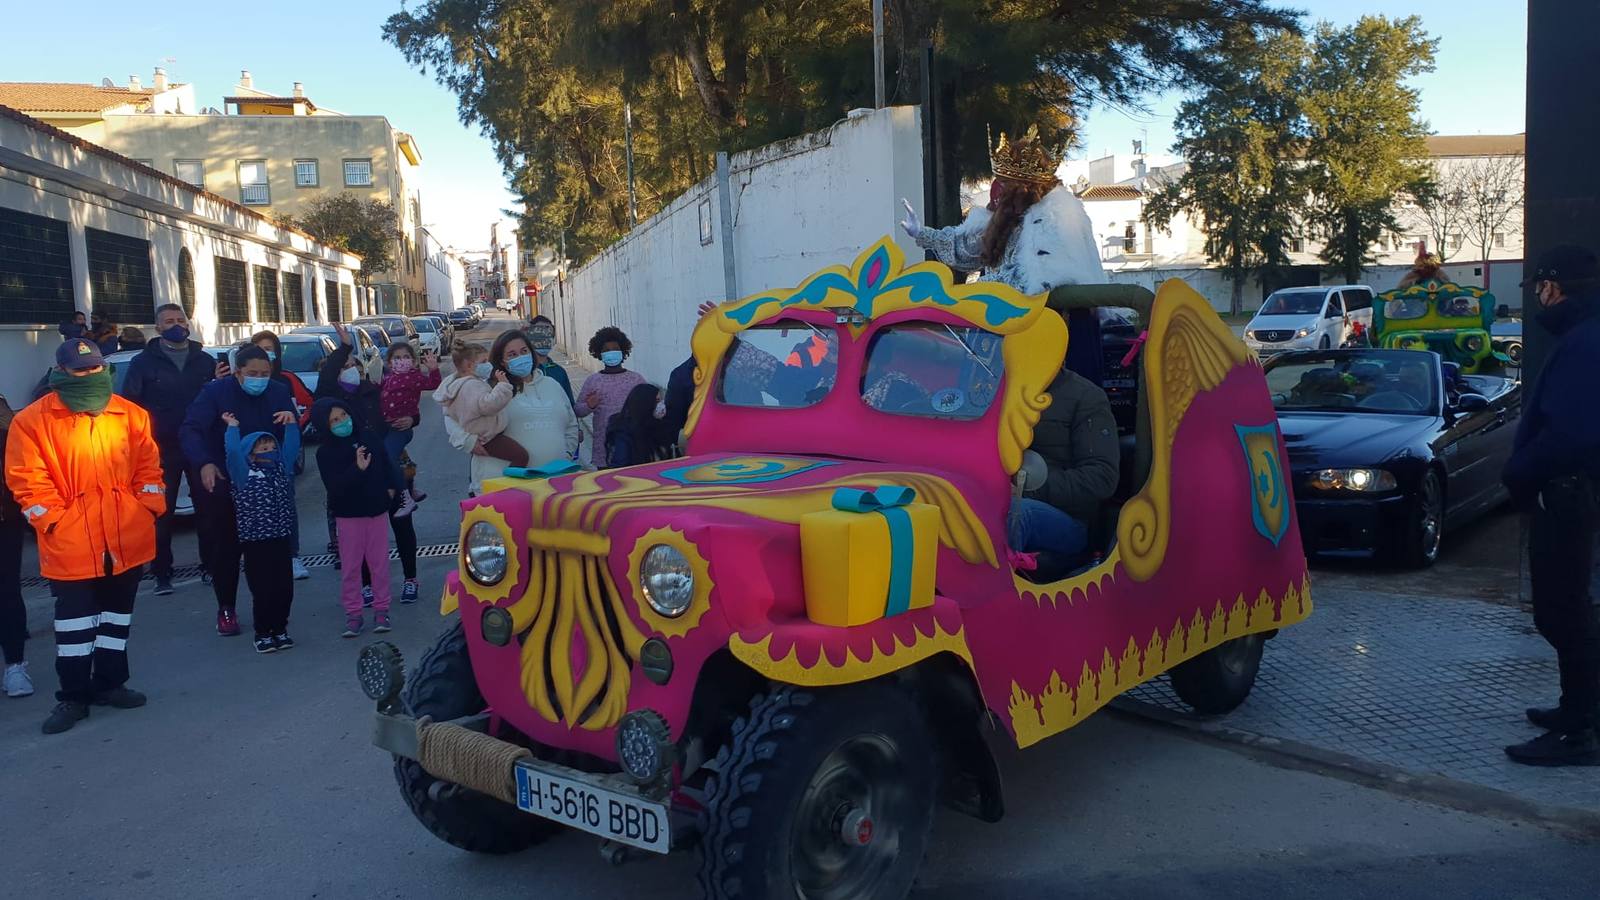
(1026, 160)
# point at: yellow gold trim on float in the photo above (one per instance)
(698, 606)
(1059, 705)
(823, 673)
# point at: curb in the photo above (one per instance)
(1436, 789)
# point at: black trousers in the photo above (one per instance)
(1561, 563)
(172, 469)
(219, 540)
(268, 572)
(13, 615)
(93, 618)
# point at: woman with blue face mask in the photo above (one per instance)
(604, 392)
(539, 417)
(260, 405)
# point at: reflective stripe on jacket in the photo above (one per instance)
(91, 486)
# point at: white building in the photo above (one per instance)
(446, 275)
(84, 229)
(1114, 190)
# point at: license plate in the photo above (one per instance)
(573, 800)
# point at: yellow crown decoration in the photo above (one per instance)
(1026, 160)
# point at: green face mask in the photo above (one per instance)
(82, 393)
(343, 429)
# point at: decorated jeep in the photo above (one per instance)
(788, 646)
(1450, 319)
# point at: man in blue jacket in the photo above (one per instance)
(259, 404)
(165, 379)
(1552, 476)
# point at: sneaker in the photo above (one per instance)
(66, 714)
(1552, 718)
(366, 596)
(352, 626)
(1558, 748)
(408, 591)
(301, 573)
(265, 644)
(283, 641)
(407, 506)
(380, 623)
(16, 681)
(163, 585)
(418, 496)
(121, 698)
(227, 623)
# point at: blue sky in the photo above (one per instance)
(336, 49)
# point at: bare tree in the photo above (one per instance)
(1441, 207)
(1493, 193)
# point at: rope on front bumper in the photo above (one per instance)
(469, 758)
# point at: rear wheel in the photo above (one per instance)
(1218, 680)
(821, 795)
(442, 686)
(1326, 342)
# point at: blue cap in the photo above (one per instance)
(78, 354)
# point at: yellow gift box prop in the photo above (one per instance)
(873, 555)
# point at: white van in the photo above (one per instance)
(1309, 318)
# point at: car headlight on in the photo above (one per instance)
(484, 553)
(1250, 334)
(1362, 480)
(1304, 332)
(666, 580)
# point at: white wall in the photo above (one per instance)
(798, 206)
(44, 175)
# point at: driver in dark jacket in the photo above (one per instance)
(1552, 475)
(1077, 439)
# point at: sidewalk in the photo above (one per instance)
(1423, 685)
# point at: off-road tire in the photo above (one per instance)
(1218, 680)
(758, 783)
(442, 686)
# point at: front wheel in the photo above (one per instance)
(1218, 680)
(821, 795)
(1426, 534)
(442, 686)
(1326, 342)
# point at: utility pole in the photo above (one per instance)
(627, 130)
(877, 55)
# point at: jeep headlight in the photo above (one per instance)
(1473, 343)
(666, 580)
(1362, 480)
(484, 553)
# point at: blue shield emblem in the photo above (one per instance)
(1269, 506)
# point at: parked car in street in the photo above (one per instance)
(463, 319)
(1308, 318)
(431, 337)
(442, 325)
(366, 350)
(395, 327)
(1390, 449)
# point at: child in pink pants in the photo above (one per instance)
(362, 481)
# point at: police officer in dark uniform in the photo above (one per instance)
(1552, 476)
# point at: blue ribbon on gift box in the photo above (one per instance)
(888, 501)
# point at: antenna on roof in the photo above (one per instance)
(106, 82)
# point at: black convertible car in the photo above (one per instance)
(1389, 448)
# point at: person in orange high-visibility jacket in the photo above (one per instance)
(84, 467)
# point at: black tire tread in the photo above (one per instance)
(1204, 684)
(442, 686)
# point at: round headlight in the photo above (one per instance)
(1474, 343)
(666, 580)
(484, 552)
(381, 671)
(644, 745)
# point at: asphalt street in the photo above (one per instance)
(253, 776)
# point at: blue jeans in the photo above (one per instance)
(395, 442)
(1035, 525)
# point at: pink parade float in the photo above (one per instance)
(786, 647)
